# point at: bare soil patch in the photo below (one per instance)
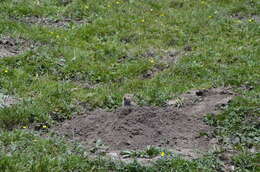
(7, 101)
(44, 21)
(13, 46)
(177, 128)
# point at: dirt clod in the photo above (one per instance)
(131, 127)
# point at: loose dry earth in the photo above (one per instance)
(178, 127)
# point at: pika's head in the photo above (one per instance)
(128, 100)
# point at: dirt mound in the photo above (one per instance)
(178, 128)
(11, 47)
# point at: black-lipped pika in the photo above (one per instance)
(128, 100)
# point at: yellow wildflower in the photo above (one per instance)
(151, 60)
(251, 20)
(5, 71)
(162, 154)
(44, 126)
(24, 127)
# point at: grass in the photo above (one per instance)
(99, 61)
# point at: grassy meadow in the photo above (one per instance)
(103, 50)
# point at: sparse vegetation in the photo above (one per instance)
(104, 51)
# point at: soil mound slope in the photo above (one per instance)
(179, 127)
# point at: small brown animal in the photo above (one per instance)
(128, 100)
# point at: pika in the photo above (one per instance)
(128, 100)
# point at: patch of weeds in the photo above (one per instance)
(40, 107)
(149, 152)
(236, 130)
(156, 96)
(99, 147)
(20, 147)
(25, 7)
(247, 161)
(234, 122)
(177, 4)
(246, 7)
(209, 163)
